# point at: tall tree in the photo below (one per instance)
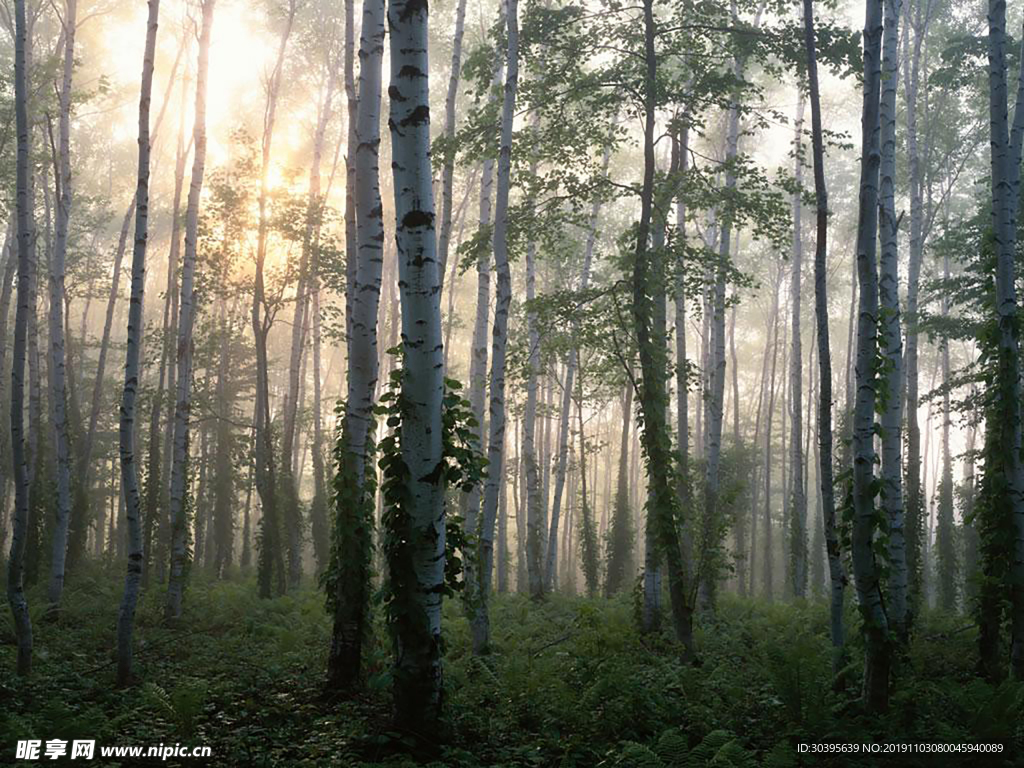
(448, 170)
(837, 574)
(20, 523)
(945, 547)
(422, 554)
(798, 531)
(58, 390)
(867, 572)
(129, 468)
(186, 322)
(647, 280)
(890, 339)
(499, 335)
(1005, 172)
(270, 562)
(918, 18)
(353, 524)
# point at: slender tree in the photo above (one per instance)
(865, 568)
(890, 341)
(186, 322)
(499, 336)
(798, 530)
(129, 468)
(58, 389)
(19, 532)
(647, 275)
(837, 574)
(353, 524)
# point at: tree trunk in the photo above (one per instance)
(768, 583)
(865, 568)
(914, 509)
(499, 336)
(222, 543)
(889, 327)
(798, 529)
(478, 345)
(19, 533)
(353, 525)
(647, 280)
(186, 321)
(448, 170)
(129, 469)
(58, 400)
(10, 260)
(1006, 158)
(619, 568)
(837, 574)
(418, 636)
(945, 548)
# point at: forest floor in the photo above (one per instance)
(570, 683)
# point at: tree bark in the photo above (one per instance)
(798, 529)
(186, 321)
(365, 263)
(1005, 169)
(837, 574)
(914, 511)
(499, 335)
(889, 321)
(865, 567)
(648, 275)
(418, 681)
(448, 170)
(58, 399)
(19, 534)
(129, 468)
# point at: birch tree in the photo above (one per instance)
(354, 518)
(889, 321)
(19, 529)
(129, 468)
(448, 170)
(647, 276)
(1005, 170)
(499, 335)
(270, 561)
(418, 682)
(186, 321)
(837, 575)
(58, 390)
(865, 567)
(798, 533)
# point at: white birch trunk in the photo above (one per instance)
(448, 171)
(889, 321)
(366, 259)
(499, 336)
(19, 533)
(186, 321)
(418, 669)
(865, 568)
(129, 467)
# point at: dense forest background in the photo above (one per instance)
(549, 384)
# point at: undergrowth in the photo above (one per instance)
(570, 683)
